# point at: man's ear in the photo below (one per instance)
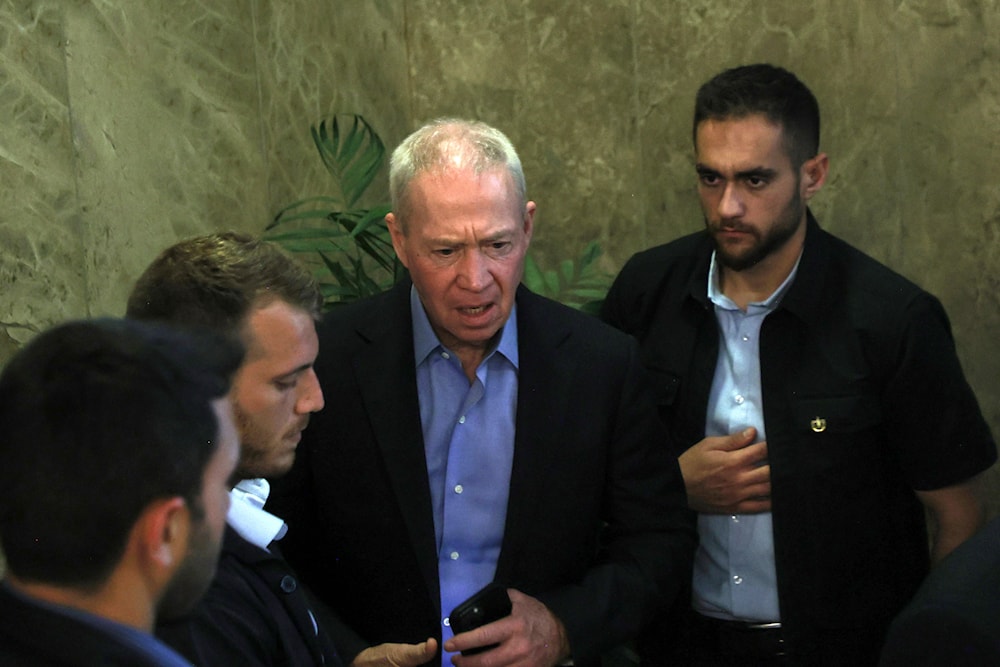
(398, 237)
(813, 175)
(163, 530)
(529, 219)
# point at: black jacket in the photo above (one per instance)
(255, 614)
(33, 636)
(588, 449)
(870, 357)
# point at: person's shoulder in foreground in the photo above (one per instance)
(954, 619)
(118, 446)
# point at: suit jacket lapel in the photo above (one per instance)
(543, 403)
(386, 375)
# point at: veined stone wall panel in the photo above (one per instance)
(129, 124)
(42, 280)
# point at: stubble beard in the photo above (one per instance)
(257, 450)
(767, 243)
(194, 575)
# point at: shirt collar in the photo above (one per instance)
(425, 341)
(716, 296)
(248, 517)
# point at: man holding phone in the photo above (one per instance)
(483, 433)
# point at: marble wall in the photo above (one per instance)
(128, 124)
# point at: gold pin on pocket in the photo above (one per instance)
(818, 424)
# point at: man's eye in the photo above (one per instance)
(285, 385)
(498, 249)
(756, 181)
(708, 179)
(445, 252)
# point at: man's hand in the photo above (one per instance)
(530, 637)
(728, 474)
(397, 655)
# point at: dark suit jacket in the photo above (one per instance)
(588, 449)
(254, 614)
(954, 619)
(33, 636)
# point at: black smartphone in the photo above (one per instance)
(487, 605)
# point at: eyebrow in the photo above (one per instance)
(761, 172)
(294, 371)
(502, 235)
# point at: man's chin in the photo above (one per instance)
(270, 470)
(737, 263)
(280, 467)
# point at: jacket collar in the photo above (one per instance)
(803, 298)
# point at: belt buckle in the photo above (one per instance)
(776, 625)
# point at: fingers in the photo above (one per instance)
(496, 632)
(753, 506)
(396, 655)
(727, 474)
(738, 440)
(411, 655)
(756, 452)
(749, 469)
(530, 637)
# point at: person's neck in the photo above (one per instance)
(472, 355)
(470, 358)
(108, 600)
(758, 282)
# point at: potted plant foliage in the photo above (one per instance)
(348, 246)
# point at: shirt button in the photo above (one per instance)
(458, 488)
(736, 519)
(445, 355)
(737, 579)
(739, 400)
(454, 555)
(461, 420)
(447, 622)
(746, 338)
(288, 583)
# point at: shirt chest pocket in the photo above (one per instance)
(836, 416)
(837, 438)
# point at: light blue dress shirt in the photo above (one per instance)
(468, 433)
(734, 573)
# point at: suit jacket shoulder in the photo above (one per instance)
(954, 619)
(31, 635)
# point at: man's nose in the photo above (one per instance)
(473, 271)
(310, 394)
(731, 202)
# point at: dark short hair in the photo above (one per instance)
(763, 89)
(214, 281)
(97, 420)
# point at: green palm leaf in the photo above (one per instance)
(352, 153)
